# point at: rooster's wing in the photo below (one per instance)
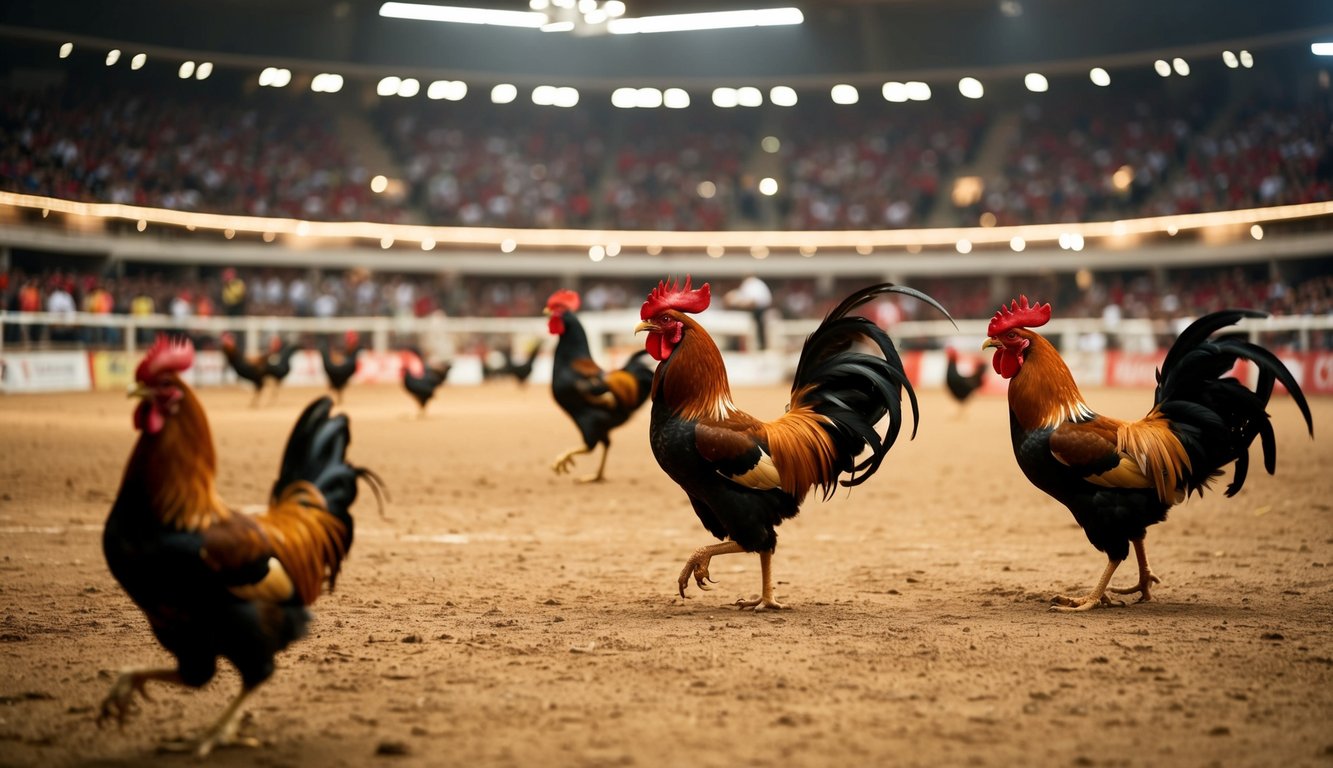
(736, 452)
(1122, 454)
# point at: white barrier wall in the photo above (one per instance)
(25, 372)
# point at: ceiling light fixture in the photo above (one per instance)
(461, 15)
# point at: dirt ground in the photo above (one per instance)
(502, 616)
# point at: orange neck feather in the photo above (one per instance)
(175, 469)
(1043, 392)
(694, 384)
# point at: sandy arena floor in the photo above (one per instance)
(502, 616)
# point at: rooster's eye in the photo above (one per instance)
(1011, 335)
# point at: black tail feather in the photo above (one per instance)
(1215, 416)
(855, 390)
(316, 453)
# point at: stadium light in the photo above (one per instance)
(138, 61)
(66, 49)
(782, 95)
(971, 88)
(1100, 77)
(842, 93)
(691, 22)
(451, 90)
(675, 98)
(1321, 49)
(460, 15)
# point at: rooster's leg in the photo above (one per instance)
(222, 734)
(765, 601)
(565, 460)
(697, 565)
(597, 478)
(1095, 598)
(119, 701)
(1146, 576)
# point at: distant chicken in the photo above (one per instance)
(260, 369)
(421, 380)
(742, 475)
(340, 366)
(519, 370)
(1119, 477)
(278, 362)
(213, 581)
(251, 369)
(960, 386)
(598, 401)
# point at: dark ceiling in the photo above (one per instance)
(840, 38)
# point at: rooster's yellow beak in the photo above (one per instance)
(644, 326)
(138, 390)
(991, 343)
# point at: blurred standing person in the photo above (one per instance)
(99, 301)
(29, 299)
(60, 301)
(143, 306)
(754, 295)
(233, 293)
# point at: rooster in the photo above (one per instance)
(520, 371)
(215, 582)
(1119, 477)
(278, 363)
(598, 401)
(745, 476)
(960, 386)
(251, 369)
(340, 366)
(421, 380)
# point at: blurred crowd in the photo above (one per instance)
(360, 293)
(1142, 148)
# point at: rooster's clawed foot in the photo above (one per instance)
(1073, 604)
(696, 567)
(119, 703)
(1146, 580)
(760, 604)
(221, 736)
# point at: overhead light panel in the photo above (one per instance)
(917, 91)
(452, 90)
(462, 15)
(782, 95)
(271, 77)
(326, 82)
(675, 98)
(842, 93)
(691, 22)
(1321, 49)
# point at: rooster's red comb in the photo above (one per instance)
(674, 296)
(564, 298)
(1019, 314)
(167, 355)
